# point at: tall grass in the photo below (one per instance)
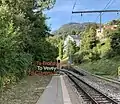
(102, 66)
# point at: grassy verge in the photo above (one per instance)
(106, 67)
(27, 91)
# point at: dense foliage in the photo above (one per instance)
(102, 50)
(89, 43)
(23, 38)
(106, 67)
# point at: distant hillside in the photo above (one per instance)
(70, 28)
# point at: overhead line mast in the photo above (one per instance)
(97, 11)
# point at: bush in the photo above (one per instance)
(78, 57)
(103, 66)
(94, 54)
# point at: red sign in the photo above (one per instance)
(44, 68)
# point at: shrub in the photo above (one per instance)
(78, 57)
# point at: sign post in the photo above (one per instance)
(58, 64)
(119, 72)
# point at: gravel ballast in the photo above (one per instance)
(73, 93)
(109, 88)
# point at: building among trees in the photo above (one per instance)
(100, 33)
(73, 38)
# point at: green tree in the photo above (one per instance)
(73, 32)
(22, 38)
(61, 49)
(71, 47)
(89, 40)
(115, 42)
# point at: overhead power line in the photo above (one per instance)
(108, 4)
(97, 11)
(106, 7)
(74, 4)
(73, 9)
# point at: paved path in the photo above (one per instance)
(55, 93)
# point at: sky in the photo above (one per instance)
(61, 13)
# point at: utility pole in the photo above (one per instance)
(97, 11)
(100, 21)
(69, 54)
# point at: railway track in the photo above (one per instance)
(115, 81)
(89, 94)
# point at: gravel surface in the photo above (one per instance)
(27, 91)
(73, 93)
(108, 88)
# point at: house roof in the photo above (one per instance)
(75, 37)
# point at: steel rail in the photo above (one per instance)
(92, 99)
